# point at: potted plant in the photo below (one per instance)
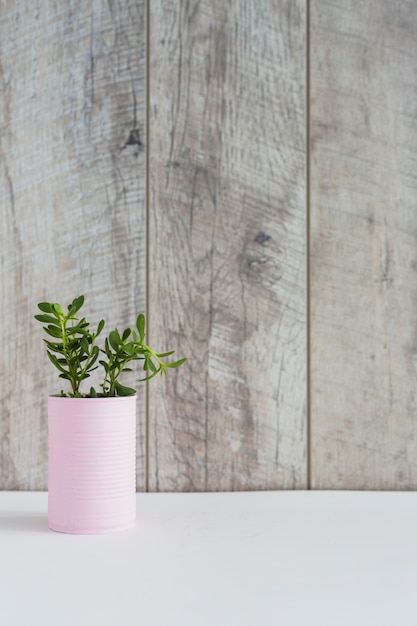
(92, 435)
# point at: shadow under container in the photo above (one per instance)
(92, 464)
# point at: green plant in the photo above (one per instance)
(72, 349)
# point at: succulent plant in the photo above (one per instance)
(72, 349)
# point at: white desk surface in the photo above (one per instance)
(294, 558)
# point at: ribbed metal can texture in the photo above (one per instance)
(92, 464)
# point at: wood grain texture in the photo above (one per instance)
(227, 244)
(72, 172)
(363, 244)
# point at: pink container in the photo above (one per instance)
(92, 464)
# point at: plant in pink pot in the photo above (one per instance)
(92, 436)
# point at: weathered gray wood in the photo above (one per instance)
(364, 243)
(72, 179)
(227, 244)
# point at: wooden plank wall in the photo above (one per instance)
(227, 243)
(228, 114)
(363, 244)
(72, 172)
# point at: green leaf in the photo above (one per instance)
(77, 329)
(105, 365)
(124, 391)
(65, 375)
(52, 331)
(55, 362)
(129, 349)
(77, 304)
(152, 366)
(140, 350)
(100, 327)
(175, 363)
(162, 354)
(46, 307)
(126, 334)
(74, 344)
(56, 308)
(93, 393)
(107, 348)
(84, 345)
(48, 319)
(55, 347)
(140, 325)
(92, 362)
(113, 339)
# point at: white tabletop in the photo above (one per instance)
(243, 559)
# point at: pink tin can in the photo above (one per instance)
(92, 464)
